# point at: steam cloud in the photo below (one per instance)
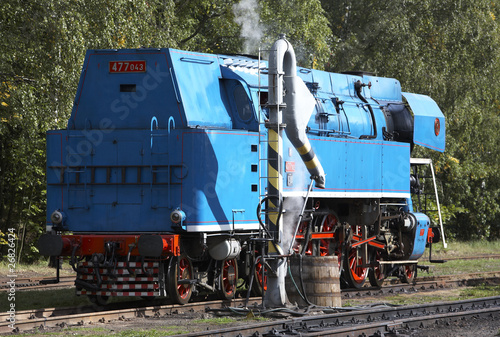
(246, 14)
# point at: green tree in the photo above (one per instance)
(448, 50)
(43, 44)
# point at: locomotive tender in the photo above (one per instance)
(152, 187)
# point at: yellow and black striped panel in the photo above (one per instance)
(274, 180)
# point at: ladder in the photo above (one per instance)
(160, 167)
(416, 163)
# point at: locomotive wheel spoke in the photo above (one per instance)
(298, 245)
(228, 278)
(180, 268)
(376, 275)
(260, 281)
(328, 247)
(408, 273)
(355, 272)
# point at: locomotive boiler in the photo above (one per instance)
(152, 188)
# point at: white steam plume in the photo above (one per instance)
(246, 14)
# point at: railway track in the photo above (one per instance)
(425, 284)
(56, 317)
(34, 283)
(47, 318)
(377, 321)
(30, 283)
(370, 321)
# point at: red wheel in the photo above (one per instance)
(228, 279)
(259, 281)
(297, 247)
(355, 272)
(328, 247)
(376, 275)
(408, 273)
(179, 269)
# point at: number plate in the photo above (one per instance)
(127, 66)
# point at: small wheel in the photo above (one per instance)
(228, 279)
(408, 273)
(180, 268)
(376, 275)
(259, 283)
(354, 273)
(98, 299)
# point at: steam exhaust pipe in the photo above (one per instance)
(289, 94)
(299, 107)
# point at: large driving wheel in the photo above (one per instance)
(298, 246)
(180, 269)
(376, 275)
(228, 279)
(355, 270)
(328, 247)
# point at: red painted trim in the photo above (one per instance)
(429, 146)
(380, 143)
(371, 242)
(89, 244)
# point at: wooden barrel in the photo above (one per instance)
(320, 275)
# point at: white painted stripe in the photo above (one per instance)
(337, 195)
(216, 227)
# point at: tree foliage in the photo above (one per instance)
(446, 49)
(450, 51)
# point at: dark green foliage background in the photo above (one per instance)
(446, 49)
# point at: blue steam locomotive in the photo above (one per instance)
(152, 188)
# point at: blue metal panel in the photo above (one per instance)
(429, 126)
(363, 169)
(359, 119)
(305, 74)
(340, 85)
(423, 223)
(354, 168)
(323, 80)
(395, 161)
(124, 100)
(197, 77)
(116, 186)
(384, 89)
(220, 179)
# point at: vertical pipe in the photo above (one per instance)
(275, 295)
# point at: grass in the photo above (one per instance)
(462, 249)
(103, 332)
(456, 267)
(216, 320)
(37, 269)
(450, 295)
(52, 298)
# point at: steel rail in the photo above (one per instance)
(375, 321)
(53, 317)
